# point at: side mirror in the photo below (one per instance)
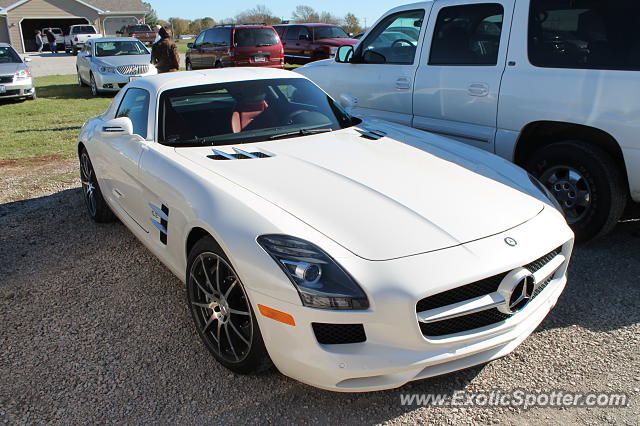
(190, 45)
(344, 54)
(118, 127)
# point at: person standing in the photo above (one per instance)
(164, 54)
(51, 38)
(39, 41)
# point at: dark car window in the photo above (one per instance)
(328, 32)
(210, 38)
(135, 105)
(467, 35)
(260, 36)
(385, 44)
(84, 29)
(293, 32)
(9, 56)
(279, 29)
(199, 39)
(139, 28)
(246, 111)
(585, 34)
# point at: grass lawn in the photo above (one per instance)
(48, 126)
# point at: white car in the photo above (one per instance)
(550, 85)
(354, 255)
(78, 37)
(107, 64)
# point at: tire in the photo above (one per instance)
(33, 96)
(75, 51)
(586, 182)
(96, 205)
(188, 66)
(218, 65)
(93, 85)
(216, 297)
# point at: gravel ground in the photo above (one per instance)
(95, 329)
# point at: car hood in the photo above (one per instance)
(116, 61)
(12, 68)
(337, 41)
(382, 199)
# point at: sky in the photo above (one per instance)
(370, 10)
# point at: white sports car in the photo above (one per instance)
(354, 255)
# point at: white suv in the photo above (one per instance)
(552, 85)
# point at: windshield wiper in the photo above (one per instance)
(301, 132)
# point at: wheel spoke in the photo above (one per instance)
(218, 337)
(582, 198)
(218, 275)
(226, 331)
(208, 324)
(244, 339)
(193, 277)
(201, 305)
(206, 275)
(233, 284)
(235, 311)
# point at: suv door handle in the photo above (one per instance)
(403, 83)
(478, 89)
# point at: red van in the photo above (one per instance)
(236, 46)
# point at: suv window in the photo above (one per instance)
(279, 30)
(386, 44)
(210, 37)
(256, 37)
(293, 33)
(200, 39)
(135, 105)
(585, 34)
(467, 35)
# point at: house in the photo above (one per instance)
(19, 19)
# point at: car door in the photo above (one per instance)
(458, 81)
(291, 43)
(379, 80)
(195, 54)
(208, 52)
(123, 154)
(83, 61)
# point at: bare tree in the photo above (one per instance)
(304, 14)
(351, 24)
(258, 14)
(328, 18)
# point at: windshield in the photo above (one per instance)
(120, 48)
(329, 32)
(247, 111)
(9, 56)
(249, 37)
(139, 28)
(85, 29)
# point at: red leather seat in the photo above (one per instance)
(245, 112)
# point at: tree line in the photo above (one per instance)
(259, 14)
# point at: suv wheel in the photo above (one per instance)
(218, 65)
(586, 182)
(222, 312)
(188, 66)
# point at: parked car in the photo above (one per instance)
(57, 32)
(548, 84)
(15, 75)
(354, 255)
(304, 43)
(142, 32)
(108, 64)
(235, 46)
(78, 36)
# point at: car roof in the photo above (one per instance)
(174, 80)
(317, 24)
(5, 45)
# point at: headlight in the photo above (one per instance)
(320, 281)
(106, 70)
(546, 192)
(22, 74)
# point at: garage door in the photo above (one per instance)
(28, 28)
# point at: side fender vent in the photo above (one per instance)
(371, 134)
(239, 154)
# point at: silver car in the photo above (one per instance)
(15, 75)
(107, 64)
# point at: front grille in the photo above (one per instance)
(14, 92)
(133, 69)
(470, 291)
(6, 79)
(335, 334)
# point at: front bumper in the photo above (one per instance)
(113, 82)
(18, 89)
(395, 351)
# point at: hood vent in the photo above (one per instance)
(371, 134)
(239, 154)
